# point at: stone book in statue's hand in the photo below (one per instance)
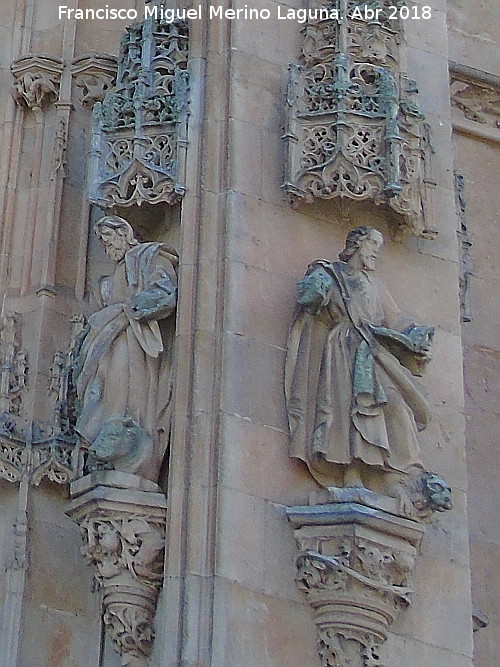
(411, 347)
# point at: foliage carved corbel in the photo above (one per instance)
(122, 521)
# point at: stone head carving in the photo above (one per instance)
(116, 236)
(362, 247)
(437, 492)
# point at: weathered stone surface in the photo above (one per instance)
(124, 426)
(351, 401)
(242, 252)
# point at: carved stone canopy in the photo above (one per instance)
(354, 129)
(139, 129)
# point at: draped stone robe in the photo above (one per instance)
(122, 369)
(348, 398)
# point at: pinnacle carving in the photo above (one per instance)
(37, 80)
(354, 128)
(14, 367)
(140, 125)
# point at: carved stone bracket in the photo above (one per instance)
(476, 100)
(355, 566)
(354, 128)
(94, 74)
(140, 127)
(122, 520)
(37, 80)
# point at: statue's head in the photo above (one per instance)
(362, 247)
(116, 235)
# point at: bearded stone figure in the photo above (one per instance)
(122, 369)
(353, 406)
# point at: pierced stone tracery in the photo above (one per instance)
(140, 126)
(354, 129)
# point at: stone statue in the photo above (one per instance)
(353, 406)
(122, 369)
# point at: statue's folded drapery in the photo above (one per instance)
(123, 370)
(348, 398)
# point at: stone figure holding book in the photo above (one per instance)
(352, 401)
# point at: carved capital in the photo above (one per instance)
(94, 74)
(355, 567)
(37, 80)
(122, 521)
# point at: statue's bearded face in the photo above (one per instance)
(369, 249)
(115, 244)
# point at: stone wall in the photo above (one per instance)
(229, 596)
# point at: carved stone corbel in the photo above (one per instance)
(476, 100)
(94, 74)
(37, 80)
(355, 566)
(122, 520)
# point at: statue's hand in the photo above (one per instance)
(153, 304)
